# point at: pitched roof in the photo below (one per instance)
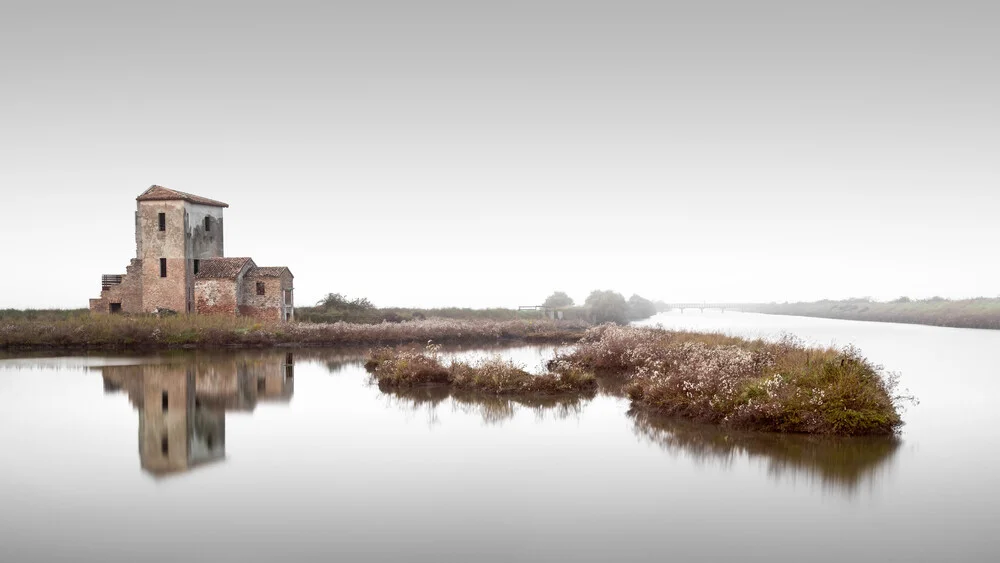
(222, 268)
(159, 193)
(270, 271)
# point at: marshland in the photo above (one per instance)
(532, 430)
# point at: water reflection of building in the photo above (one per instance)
(182, 405)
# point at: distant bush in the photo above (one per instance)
(640, 308)
(607, 307)
(335, 308)
(558, 300)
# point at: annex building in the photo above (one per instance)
(180, 266)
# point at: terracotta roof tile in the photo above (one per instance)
(270, 271)
(222, 268)
(159, 193)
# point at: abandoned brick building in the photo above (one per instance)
(180, 266)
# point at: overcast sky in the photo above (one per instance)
(485, 154)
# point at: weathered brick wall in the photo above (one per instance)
(173, 291)
(267, 307)
(216, 297)
(128, 293)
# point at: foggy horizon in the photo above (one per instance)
(450, 154)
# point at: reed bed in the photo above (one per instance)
(114, 332)
(779, 386)
(406, 369)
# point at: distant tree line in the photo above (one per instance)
(599, 307)
(605, 306)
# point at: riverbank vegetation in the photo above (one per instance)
(744, 384)
(599, 307)
(119, 332)
(336, 307)
(42, 314)
(981, 312)
(395, 368)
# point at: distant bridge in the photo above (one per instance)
(741, 307)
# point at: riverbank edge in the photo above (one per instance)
(980, 313)
(148, 334)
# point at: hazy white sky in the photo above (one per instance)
(485, 154)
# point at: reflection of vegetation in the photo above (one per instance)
(493, 409)
(840, 462)
(981, 312)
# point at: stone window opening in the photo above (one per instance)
(164, 401)
(163, 221)
(208, 223)
(196, 264)
(164, 445)
(115, 308)
(260, 288)
(163, 267)
(261, 385)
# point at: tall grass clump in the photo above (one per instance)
(747, 384)
(398, 368)
(126, 332)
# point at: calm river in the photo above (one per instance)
(271, 456)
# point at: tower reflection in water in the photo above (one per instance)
(182, 404)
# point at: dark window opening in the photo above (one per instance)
(164, 402)
(163, 267)
(197, 403)
(164, 445)
(116, 308)
(208, 223)
(209, 441)
(260, 288)
(163, 221)
(261, 385)
(196, 264)
(289, 358)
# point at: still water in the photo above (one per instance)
(265, 455)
